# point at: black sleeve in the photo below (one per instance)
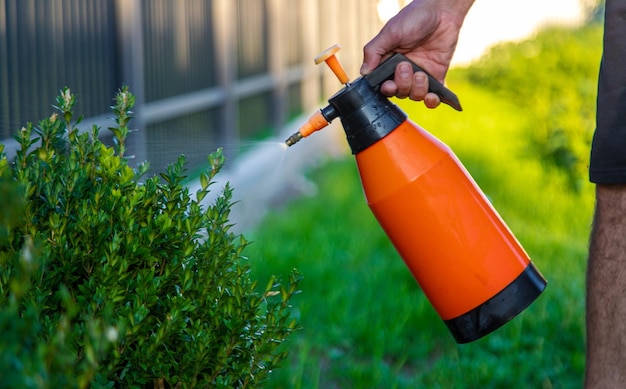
(608, 150)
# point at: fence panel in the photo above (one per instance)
(206, 73)
(46, 45)
(178, 47)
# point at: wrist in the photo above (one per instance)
(459, 8)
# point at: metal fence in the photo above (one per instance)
(206, 73)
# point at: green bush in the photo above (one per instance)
(111, 280)
(553, 80)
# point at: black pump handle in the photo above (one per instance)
(385, 71)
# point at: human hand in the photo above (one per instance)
(426, 31)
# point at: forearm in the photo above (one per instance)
(606, 287)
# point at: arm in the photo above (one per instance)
(426, 31)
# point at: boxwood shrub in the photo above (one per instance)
(109, 278)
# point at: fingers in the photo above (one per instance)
(412, 85)
(432, 100)
(405, 80)
(419, 86)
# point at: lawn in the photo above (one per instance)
(365, 322)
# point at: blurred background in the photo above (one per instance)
(207, 73)
(239, 74)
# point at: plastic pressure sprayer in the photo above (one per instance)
(469, 265)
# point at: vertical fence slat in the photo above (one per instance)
(14, 55)
(5, 116)
(130, 37)
(226, 67)
(310, 91)
(277, 57)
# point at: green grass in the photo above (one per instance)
(366, 323)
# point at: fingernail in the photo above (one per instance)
(420, 79)
(405, 70)
(364, 69)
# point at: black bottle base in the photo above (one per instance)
(499, 309)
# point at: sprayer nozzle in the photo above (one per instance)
(293, 139)
(315, 123)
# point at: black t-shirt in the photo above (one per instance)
(608, 150)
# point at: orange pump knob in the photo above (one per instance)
(331, 60)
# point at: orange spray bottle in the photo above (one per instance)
(472, 269)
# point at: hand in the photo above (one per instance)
(426, 31)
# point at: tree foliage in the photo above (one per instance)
(553, 78)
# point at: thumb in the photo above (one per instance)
(373, 53)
